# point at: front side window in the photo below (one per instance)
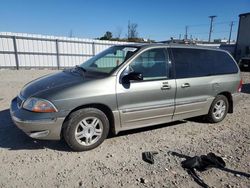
(152, 64)
(108, 60)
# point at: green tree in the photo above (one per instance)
(107, 36)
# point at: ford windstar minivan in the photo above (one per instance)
(127, 87)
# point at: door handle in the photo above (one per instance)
(165, 86)
(185, 85)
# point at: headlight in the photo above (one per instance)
(39, 105)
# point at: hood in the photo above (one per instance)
(55, 81)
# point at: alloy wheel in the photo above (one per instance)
(88, 131)
(219, 109)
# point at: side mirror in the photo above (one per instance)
(132, 76)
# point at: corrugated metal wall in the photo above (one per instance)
(38, 51)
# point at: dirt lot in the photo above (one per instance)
(117, 162)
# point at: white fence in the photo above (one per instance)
(38, 51)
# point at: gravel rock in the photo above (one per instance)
(142, 180)
(26, 162)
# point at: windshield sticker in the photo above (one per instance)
(131, 49)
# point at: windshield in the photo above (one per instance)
(108, 60)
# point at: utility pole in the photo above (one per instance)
(186, 32)
(211, 27)
(129, 29)
(71, 33)
(230, 33)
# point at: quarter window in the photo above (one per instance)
(152, 64)
(199, 62)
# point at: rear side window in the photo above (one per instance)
(199, 62)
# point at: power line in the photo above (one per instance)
(198, 25)
(225, 22)
(214, 23)
(205, 33)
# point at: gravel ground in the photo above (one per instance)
(117, 162)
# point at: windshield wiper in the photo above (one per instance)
(81, 68)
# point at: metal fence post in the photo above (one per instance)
(93, 48)
(15, 51)
(57, 55)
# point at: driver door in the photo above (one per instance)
(151, 100)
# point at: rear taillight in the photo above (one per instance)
(240, 85)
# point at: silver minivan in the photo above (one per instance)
(127, 87)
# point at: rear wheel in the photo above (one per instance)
(218, 109)
(86, 129)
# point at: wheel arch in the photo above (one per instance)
(104, 108)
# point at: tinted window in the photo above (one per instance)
(223, 63)
(152, 64)
(198, 62)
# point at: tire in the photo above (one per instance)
(220, 104)
(85, 129)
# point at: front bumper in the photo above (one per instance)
(44, 126)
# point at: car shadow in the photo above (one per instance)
(12, 138)
(244, 70)
(245, 88)
(145, 129)
(198, 119)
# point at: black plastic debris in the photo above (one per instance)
(202, 163)
(148, 156)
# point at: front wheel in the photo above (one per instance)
(86, 129)
(218, 109)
